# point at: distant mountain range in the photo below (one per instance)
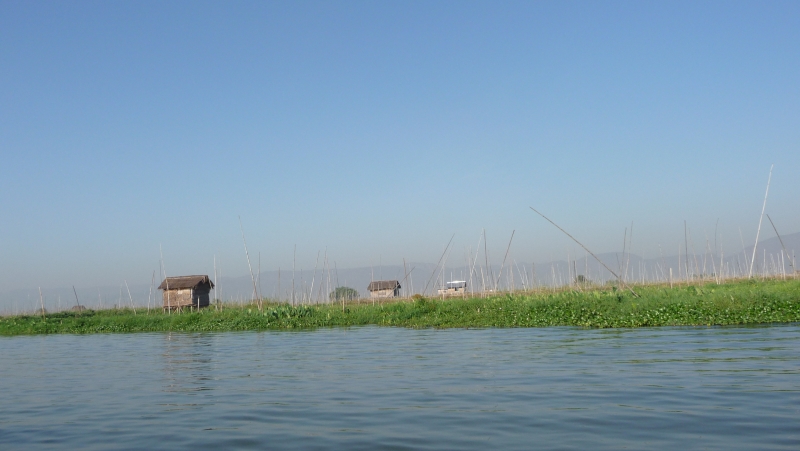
(308, 286)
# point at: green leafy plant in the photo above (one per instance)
(343, 293)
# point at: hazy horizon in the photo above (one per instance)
(376, 131)
(312, 285)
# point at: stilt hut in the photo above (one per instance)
(186, 291)
(384, 289)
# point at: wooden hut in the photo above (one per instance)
(384, 289)
(186, 291)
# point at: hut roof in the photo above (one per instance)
(181, 282)
(457, 284)
(383, 285)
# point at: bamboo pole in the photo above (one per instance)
(783, 265)
(628, 258)
(694, 256)
(486, 258)
(781, 240)
(686, 248)
(437, 264)
(150, 294)
(313, 279)
(218, 304)
(504, 260)
(131, 298)
(328, 288)
(586, 249)
(247, 254)
(166, 281)
(76, 298)
(442, 273)
(758, 232)
(405, 276)
(621, 263)
(41, 299)
(294, 263)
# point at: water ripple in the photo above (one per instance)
(389, 388)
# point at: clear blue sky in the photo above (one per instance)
(379, 129)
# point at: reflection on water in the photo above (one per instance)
(373, 388)
(186, 363)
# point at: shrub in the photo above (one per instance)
(343, 293)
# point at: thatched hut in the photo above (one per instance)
(186, 291)
(384, 289)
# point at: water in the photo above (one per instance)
(391, 388)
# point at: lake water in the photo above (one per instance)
(390, 388)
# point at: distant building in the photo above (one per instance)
(186, 291)
(454, 287)
(384, 289)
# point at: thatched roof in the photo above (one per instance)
(383, 285)
(181, 282)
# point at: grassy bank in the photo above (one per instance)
(742, 302)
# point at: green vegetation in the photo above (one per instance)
(741, 302)
(346, 293)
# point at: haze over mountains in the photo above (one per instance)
(311, 286)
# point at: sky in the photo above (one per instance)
(376, 131)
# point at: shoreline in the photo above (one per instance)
(742, 302)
